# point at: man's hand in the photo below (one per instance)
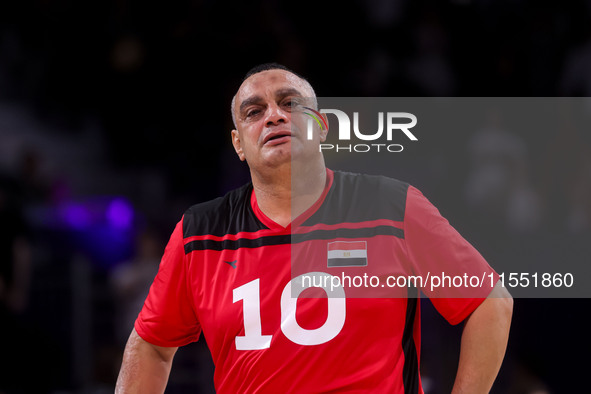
(484, 341)
(145, 367)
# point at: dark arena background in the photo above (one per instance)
(114, 118)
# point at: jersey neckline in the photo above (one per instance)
(271, 224)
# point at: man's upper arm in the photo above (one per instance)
(145, 348)
(500, 296)
(145, 367)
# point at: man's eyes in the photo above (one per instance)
(293, 102)
(252, 112)
(287, 103)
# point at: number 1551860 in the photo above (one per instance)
(535, 279)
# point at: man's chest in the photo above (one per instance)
(307, 292)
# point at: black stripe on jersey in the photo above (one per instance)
(209, 244)
(348, 233)
(410, 371)
(366, 232)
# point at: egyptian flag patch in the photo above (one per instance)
(347, 254)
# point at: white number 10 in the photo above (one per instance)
(254, 339)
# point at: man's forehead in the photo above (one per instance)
(271, 81)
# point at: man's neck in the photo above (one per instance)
(286, 193)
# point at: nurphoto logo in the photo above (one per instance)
(396, 122)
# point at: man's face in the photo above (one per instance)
(266, 134)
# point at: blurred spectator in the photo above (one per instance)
(430, 68)
(499, 184)
(36, 188)
(525, 382)
(524, 210)
(566, 168)
(576, 76)
(14, 249)
(579, 217)
(384, 13)
(15, 266)
(127, 54)
(376, 75)
(131, 282)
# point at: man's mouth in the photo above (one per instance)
(277, 137)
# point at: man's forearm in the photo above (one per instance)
(484, 341)
(145, 367)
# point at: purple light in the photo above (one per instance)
(76, 216)
(120, 213)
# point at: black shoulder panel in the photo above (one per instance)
(230, 214)
(355, 198)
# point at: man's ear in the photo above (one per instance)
(237, 144)
(324, 132)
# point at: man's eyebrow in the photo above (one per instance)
(249, 101)
(281, 93)
(288, 92)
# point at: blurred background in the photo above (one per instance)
(114, 119)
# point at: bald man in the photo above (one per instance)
(227, 271)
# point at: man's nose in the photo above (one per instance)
(276, 115)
